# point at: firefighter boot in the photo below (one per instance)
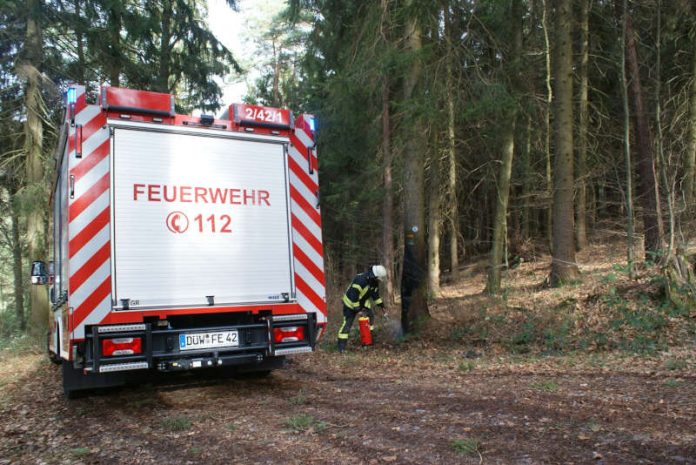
(342, 345)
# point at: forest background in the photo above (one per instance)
(448, 130)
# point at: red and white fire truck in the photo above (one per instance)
(181, 242)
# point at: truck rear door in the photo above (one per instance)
(199, 217)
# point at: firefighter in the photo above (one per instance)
(360, 296)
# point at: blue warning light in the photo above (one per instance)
(72, 95)
(312, 123)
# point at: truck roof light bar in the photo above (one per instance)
(137, 101)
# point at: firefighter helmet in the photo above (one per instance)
(380, 272)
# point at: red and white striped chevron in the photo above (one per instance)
(89, 216)
(306, 221)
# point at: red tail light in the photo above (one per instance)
(288, 334)
(122, 346)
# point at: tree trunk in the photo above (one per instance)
(33, 139)
(17, 269)
(508, 150)
(165, 51)
(79, 38)
(547, 125)
(452, 207)
(563, 268)
(630, 233)
(649, 196)
(387, 161)
(388, 205)
(114, 34)
(690, 156)
(583, 120)
(434, 222)
(413, 285)
(501, 207)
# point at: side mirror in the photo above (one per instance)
(38, 273)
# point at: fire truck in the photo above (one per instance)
(181, 242)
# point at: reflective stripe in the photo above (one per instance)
(368, 304)
(342, 334)
(372, 328)
(378, 301)
(349, 303)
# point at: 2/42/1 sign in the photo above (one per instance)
(252, 115)
(210, 340)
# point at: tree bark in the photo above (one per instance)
(387, 161)
(452, 206)
(434, 222)
(32, 60)
(413, 285)
(17, 269)
(547, 125)
(630, 232)
(583, 120)
(115, 64)
(501, 207)
(563, 268)
(649, 196)
(508, 150)
(690, 156)
(165, 51)
(388, 205)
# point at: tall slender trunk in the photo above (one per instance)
(387, 161)
(452, 206)
(501, 207)
(649, 195)
(583, 120)
(690, 156)
(508, 150)
(165, 51)
(33, 139)
(17, 269)
(630, 233)
(434, 221)
(115, 64)
(413, 285)
(547, 125)
(527, 180)
(388, 205)
(563, 268)
(80, 41)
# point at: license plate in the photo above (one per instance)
(212, 340)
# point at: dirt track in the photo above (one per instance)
(411, 405)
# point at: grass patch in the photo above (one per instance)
(79, 451)
(673, 383)
(467, 366)
(465, 446)
(547, 386)
(177, 423)
(299, 399)
(231, 427)
(196, 450)
(303, 422)
(675, 364)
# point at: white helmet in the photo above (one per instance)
(380, 272)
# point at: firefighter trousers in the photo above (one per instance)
(348, 317)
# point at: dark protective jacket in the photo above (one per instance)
(362, 292)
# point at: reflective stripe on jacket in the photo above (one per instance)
(361, 293)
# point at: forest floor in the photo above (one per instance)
(520, 388)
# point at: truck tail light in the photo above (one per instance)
(288, 334)
(122, 346)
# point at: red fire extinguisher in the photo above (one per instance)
(365, 333)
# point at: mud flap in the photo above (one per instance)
(75, 381)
